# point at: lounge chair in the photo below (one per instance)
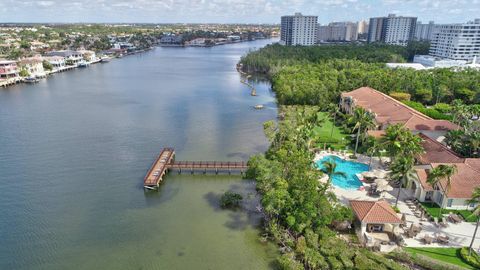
(454, 218)
(435, 221)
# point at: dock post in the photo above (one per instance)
(205, 171)
(216, 170)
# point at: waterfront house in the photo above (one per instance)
(88, 56)
(58, 62)
(8, 69)
(389, 111)
(72, 58)
(375, 221)
(33, 65)
(37, 45)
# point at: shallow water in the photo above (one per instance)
(74, 150)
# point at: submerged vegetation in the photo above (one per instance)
(230, 200)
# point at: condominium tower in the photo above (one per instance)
(424, 31)
(397, 30)
(456, 41)
(298, 30)
(337, 31)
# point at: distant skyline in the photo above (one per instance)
(231, 11)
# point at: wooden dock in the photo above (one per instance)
(166, 161)
(159, 169)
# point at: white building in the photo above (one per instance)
(436, 62)
(396, 30)
(424, 31)
(456, 41)
(298, 30)
(34, 66)
(337, 31)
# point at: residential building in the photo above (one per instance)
(456, 41)
(337, 31)
(71, 57)
(33, 65)
(298, 30)
(89, 56)
(375, 221)
(58, 62)
(396, 30)
(362, 27)
(389, 111)
(424, 31)
(8, 69)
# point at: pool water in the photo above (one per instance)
(350, 168)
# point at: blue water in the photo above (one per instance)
(350, 168)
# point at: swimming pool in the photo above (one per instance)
(350, 168)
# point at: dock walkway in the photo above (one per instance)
(166, 161)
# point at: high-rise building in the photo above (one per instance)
(423, 31)
(456, 41)
(298, 30)
(337, 31)
(397, 30)
(362, 27)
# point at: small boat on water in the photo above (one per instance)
(31, 80)
(83, 64)
(258, 106)
(105, 59)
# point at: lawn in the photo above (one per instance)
(448, 255)
(323, 133)
(435, 210)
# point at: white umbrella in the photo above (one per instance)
(368, 174)
(384, 188)
(379, 174)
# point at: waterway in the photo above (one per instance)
(74, 149)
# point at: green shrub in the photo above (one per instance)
(334, 263)
(442, 107)
(473, 260)
(230, 200)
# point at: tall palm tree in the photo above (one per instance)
(335, 110)
(399, 141)
(362, 121)
(330, 169)
(402, 173)
(373, 150)
(475, 199)
(442, 172)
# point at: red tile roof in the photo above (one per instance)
(423, 176)
(376, 133)
(463, 182)
(436, 152)
(374, 212)
(391, 111)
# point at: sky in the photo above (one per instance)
(231, 11)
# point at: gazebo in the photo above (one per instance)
(375, 219)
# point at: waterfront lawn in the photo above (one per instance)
(434, 211)
(448, 255)
(323, 133)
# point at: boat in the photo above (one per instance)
(105, 59)
(83, 64)
(31, 80)
(259, 106)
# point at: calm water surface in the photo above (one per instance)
(74, 150)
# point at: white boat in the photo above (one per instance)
(83, 64)
(259, 106)
(105, 59)
(31, 80)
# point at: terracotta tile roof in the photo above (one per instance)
(474, 163)
(463, 182)
(436, 152)
(376, 133)
(422, 177)
(391, 111)
(374, 212)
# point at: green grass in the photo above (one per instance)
(435, 210)
(448, 255)
(323, 133)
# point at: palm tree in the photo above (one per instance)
(335, 110)
(475, 199)
(363, 120)
(442, 172)
(393, 138)
(330, 169)
(373, 150)
(402, 173)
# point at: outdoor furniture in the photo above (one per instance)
(454, 218)
(444, 223)
(427, 239)
(435, 221)
(443, 239)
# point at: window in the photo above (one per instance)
(449, 202)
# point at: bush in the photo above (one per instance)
(422, 261)
(400, 96)
(473, 260)
(442, 107)
(230, 200)
(396, 209)
(432, 112)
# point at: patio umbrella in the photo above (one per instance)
(379, 174)
(368, 174)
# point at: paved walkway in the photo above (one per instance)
(460, 234)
